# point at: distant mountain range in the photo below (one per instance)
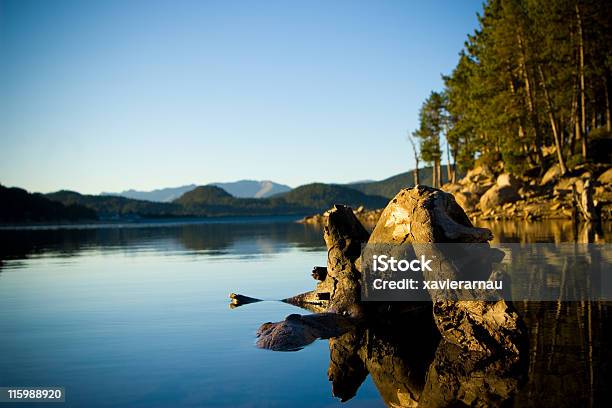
(258, 198)
(162, 195)
(241, 189)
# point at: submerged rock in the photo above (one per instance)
(297, 331)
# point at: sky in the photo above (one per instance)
(111, 95)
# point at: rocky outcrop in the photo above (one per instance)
(426, 215)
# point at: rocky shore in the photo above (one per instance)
(489, 193)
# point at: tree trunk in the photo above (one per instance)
(533, 115)
(583, 128)
(553, 124)
(607, 101)
(448, 164)
(416, 161)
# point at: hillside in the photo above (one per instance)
(210, 200)
(321, 196)
(389, 187)
(17, 205)
(239, 189)
(114, 206)
(162, 195)
(253, 188)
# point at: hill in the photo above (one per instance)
(319, 196)
(389, 187)
(162, 195)
(253, 188)
(114, 206)
(240, 189)
(17, 205)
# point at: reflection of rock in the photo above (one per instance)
(408, 371)
(457, 378)
(297, 331)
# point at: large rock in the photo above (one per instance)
(468, 201)
(426, 215)
(508, 180)
(551, 174)
(497, 196)
(606, 177)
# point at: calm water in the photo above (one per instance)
(138, 316)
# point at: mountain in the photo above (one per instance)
(162, 195)
(389, 187)
(17, 205)
(321, 196)
(241, 189)
(115, 206)
(253, 188)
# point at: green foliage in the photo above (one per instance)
(516, 88)
(17, 205)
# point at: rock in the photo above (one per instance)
(551, 174)
(479, 173)
(507, 179)
(239, 300)
(340, 290)
(606, 177)
(452, 187)
(297, 331)
(426, 215)
(466, 200)
(564, 185)
(497, 196)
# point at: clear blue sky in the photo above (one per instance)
(109, 95)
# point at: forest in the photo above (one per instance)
(531, 89)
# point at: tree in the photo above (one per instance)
(416, 158)
(430, 128)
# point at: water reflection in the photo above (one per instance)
(239, 238)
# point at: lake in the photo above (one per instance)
(138, 315)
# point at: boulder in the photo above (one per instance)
(468, 201)
(507, 179)
(564, 185)
(551, 174)
(606, 177)
(452, 187)
(427, 215)
(497, 196)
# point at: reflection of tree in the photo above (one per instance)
(543, 231)
(241, 237)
